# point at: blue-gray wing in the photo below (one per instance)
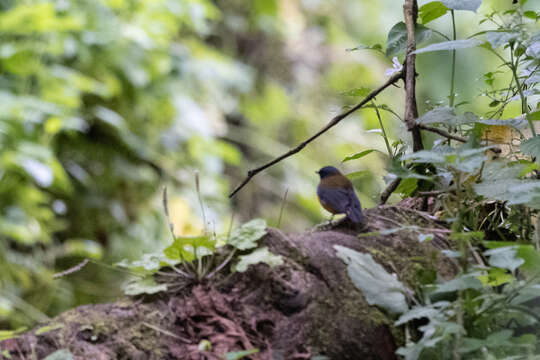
(335, 198)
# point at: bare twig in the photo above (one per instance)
(251, 173)
(410, 11)
(389, 190)
(442, 133)
(71, 270)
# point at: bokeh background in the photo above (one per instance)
(105, 102)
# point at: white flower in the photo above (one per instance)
(396, 67)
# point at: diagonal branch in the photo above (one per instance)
(251, 173)
(442, 133)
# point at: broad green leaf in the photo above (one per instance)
(463, 282)
(535, 116)
(359, 155)
(517, 123)
(149, 263)
(463, 158)
(514, 191)
(431, 11)
(183, 248)
(397, 38)
(446, 115)
(504, 257)
(407, 186)
(503, 169)
(530, 14)
(531, 147)
(496, 277)
(358, 174)
(147, 285)
(237, 355)
(526, 252)
(498, 38)
(62, 354)
(471, 344)
(419, 312)
(470, 5)
(450, 45)
(378, 286)
(527, 294)
(261, 255)
(246, 236)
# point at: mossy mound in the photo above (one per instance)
(307, 306)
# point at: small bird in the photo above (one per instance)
(336, 194)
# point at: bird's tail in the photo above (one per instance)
(355, 214)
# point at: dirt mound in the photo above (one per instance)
(306, 307)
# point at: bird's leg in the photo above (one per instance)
(331, 219)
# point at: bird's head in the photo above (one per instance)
(328, 171)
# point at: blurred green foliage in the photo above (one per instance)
(105, 101)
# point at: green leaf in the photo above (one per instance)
(419, 312)
(236, 355)
(531, 147)
(62, 354)
(530, 14)
(462, 282)
(83, 248)
(358, 174)
(505, 258)
(526, 252)
(10, 334)
(446, 115)
(148, 264)
(359, 155)
(470, 5)
(517, 123)
(514, 191)
(376, 47)
(431, 11)
(397, 38)
(527, 294)
(498, 38)
(378, 286)
(450, 45)
(45, 329)
(463, 158)
(246, 236)
(407, 186)
(261, 255)
(183, 248)
(502, 169)
(147, 285)
(535, 116)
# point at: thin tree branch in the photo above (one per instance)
(389, 190)
(251, 173)
(442, 133)
(410, 12)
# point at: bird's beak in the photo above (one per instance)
(316, 172)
